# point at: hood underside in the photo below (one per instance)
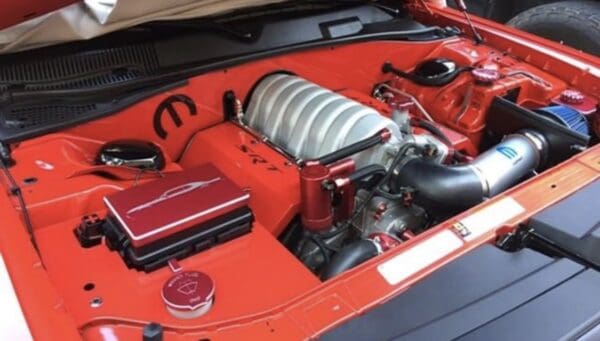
(91, 18)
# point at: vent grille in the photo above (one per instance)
(73, 71)
(110, 78)
(22, 118)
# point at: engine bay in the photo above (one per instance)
(277, 175)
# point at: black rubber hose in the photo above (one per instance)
(366, 172)
(319, 243)
(321, 246)
(349, 256)
(352, 149)
(442, 189)
(430, 127)
(437, 132)
(389, 196)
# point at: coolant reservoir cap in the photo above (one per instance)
(188, 294)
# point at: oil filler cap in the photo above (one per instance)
(188, 294)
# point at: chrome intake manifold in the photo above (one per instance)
(308, 121)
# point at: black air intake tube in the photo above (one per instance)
(348, 257)
(444, 190)
(440, 187)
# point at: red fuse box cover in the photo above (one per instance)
(178, 201)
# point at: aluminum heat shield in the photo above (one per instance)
(308, 121)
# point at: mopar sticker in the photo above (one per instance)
(170, 106)
(509, 152)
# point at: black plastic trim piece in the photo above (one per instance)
(82, 69)
(13, 132)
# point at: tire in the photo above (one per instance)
(574, 23)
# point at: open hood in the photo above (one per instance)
(91, 18)
(301, 170)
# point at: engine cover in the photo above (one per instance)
(309, 121)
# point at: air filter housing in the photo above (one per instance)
(568, 117)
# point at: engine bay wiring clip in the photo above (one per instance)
(90, 231)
